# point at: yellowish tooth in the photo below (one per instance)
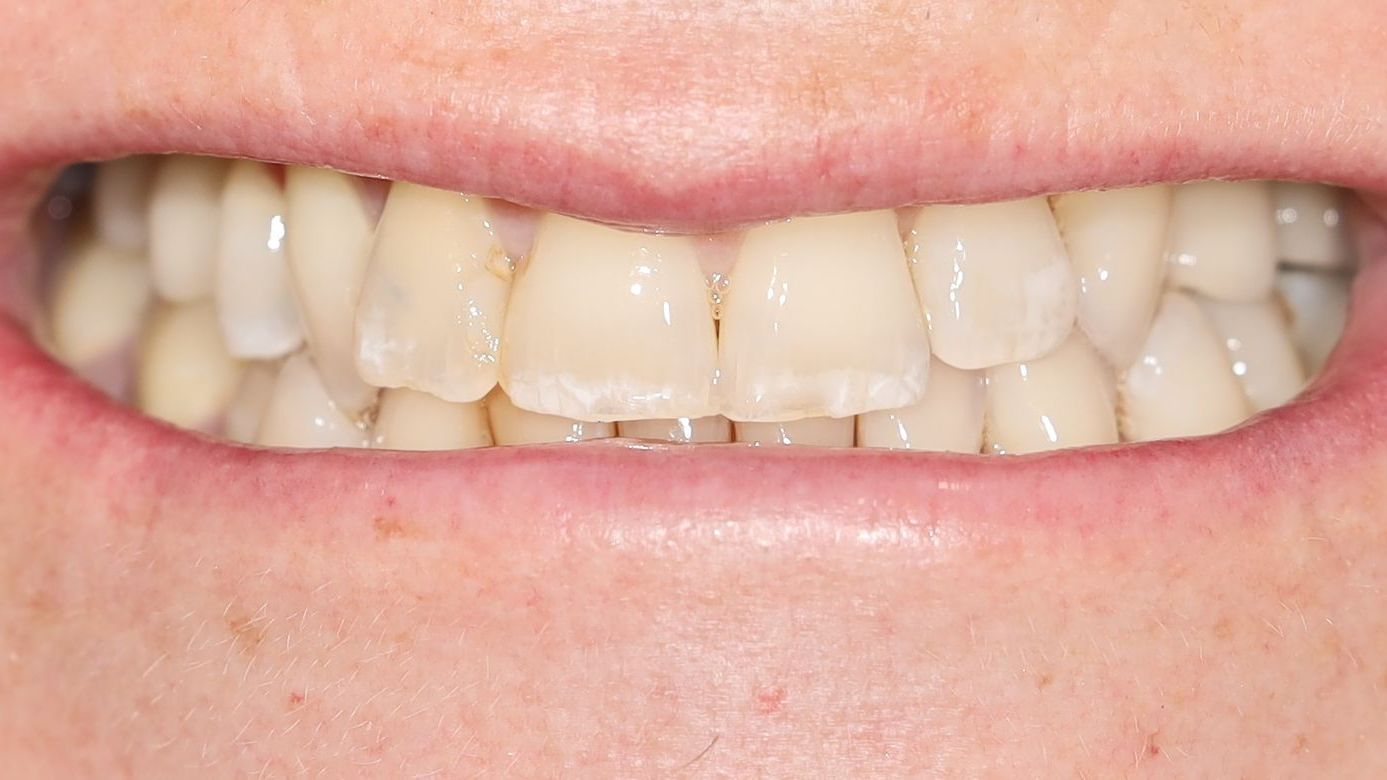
(301, 414)
(810, 431)
(100, 297)
(994, 280)
(819, 319)
(1260, 350)
(1064, 399)
(606, 324)
(683, 430)
(184, 219)
(1222, 243)
(255, 298)
(247, 407)
(120, 202)
(948, 419)
(1181, 384)
(411, 420)
(1116, 241)
(1318, 304)
(434, 296)
(512, 425)
(1311, 225)
(185, 375)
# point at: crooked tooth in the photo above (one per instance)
(812, 431)
(512, 425)
(1318, 304)
(247, 407)
(434, 296)
(1260, 350)
(329, 247)
(255, 299)
(100, 297)
(1310, 225)
(610, 325)
(185, 374)
(300, 413)
(1116, 241)
(1064, 399)
(1181, 384)
(683, 430)
(120, 202)
(1222, 244)
(994, 280)
(184, 217)
(819, 319)
(949, 418)
(410, 420)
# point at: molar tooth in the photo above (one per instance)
(819, 319)
(683, 430)
(1116, 241)
(120, 202)
(609, 324)
(1310, 225)
(1318, 304)
(247, 407)
(512, 425)
(812, 431)
(434, 296)
(949, 418)
(255, 299)
(1064, 399)
(994, 281)
(411, 420)
(100, 298)
(184, 216)
(1260, 350)
(1181, 384)
(300, 413)
(1222, 243)
(185, 374)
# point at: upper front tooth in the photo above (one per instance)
(99, 301)
(255, 299)
(949, 418)
(1260, 349)
(120, 202)
(1116, 241)
(410, 420)
(185, 375)
(994, 280)
(1318, 304)
(609, 325)
(184, 215)
(819, 320)
(1310, 224)
(1222, 242)
(299, 412)
(1064, 399)
(434, 296)
(512, 425)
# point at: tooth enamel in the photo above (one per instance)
(1310, 226)
(994, 280)
(255, 298)
(185, 375)
(610, 325)
(813, 431)
(434, 296)
(329, 246)
(1116, 241)
(1260, 350)
(184, 217)
(948, 419)
(300, 413)
(682, 430)
(512, 425)
(1181, 384)
(100, 297)
(1222, 243)
(819, 319)
(120, 202)
(247, 407)
(1318, 304)
(1064, 399)
(411, 420)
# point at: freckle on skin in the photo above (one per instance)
(388, 528)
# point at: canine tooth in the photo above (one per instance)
(512, 425)
(683, 430)
(608, 324)
(994, 280)
(812, 431)
(328, 247)
(1260, 350)
(1318, 304)
(1064, 399)
(255, 298)
(300, 413)
(1181, 384)
(248, 405)
(185, 374)
(1222, 243)
(434, 296)
(948, 419)
(120, 202)
(1310, 225)
(411, 420)
(100, 298)
(184, 217)
(1116, 241)
(819, 320)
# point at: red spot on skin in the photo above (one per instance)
(295, 700)
(769, 699)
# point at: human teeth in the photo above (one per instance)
(512, 425)
(1318, 303)
(184, 216)
(100, 297)
(300, 413)
(434, 296)
(1116, 241)
(1310, 226)
(683, 430)
(1181, 383)
(411, 420)
(247, 407)
(994, 280)
(819, 319)
(814, 431)
(120, 202)
(948, 419)
(609, 324)
(328, 247)
(1221, 242)
(1064, 399)
(185, 374)
(255, 299)
(1260, 350)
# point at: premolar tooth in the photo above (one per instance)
(1181, 383)
(434, 296)
(1064, 399)
(683, 430)
(1116, 241)
(184, 217)
(512, 425)
(255, 298)
(247, 407)
(185, 376)
(994, 280)
(948, 419)
(410, 420)
(1222, 243)
(812, 431)
(300, 413)
(1310, 225)
(100, 298)
(120, 202)
(610, 325)
(1260, 350)
(819, 319)
(1318, 304)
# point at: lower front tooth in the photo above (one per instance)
(100, 297)
(1222, 243)
(1064, 399)
(185, 375)
(120, 202)
(1310, 227)
(1318, 303)
(247, 407)
(1260, 349)
(300, 413)
(813, 431)
(512, 425)
(184, 217)
(410, 420)
(948, 419)
(255, 297)
(683, 430)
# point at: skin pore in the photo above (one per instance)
(170, 605)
